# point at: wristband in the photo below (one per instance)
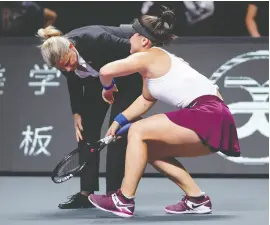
(109, 87)
(121, 119)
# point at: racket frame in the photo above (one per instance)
(103, 143)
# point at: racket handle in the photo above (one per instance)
(123, 129)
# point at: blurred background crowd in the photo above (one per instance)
(194, 18)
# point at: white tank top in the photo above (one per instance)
(181, 84)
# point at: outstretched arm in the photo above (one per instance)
(134, 63)
(139, 107)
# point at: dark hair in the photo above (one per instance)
(160, 27)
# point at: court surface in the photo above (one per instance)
(34, 200)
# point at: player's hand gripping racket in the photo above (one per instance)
(72, 163)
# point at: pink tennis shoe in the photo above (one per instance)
(190, 205)
(118, 204)
(115, 203)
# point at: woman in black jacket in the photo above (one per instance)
(80, 54)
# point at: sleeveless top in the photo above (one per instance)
(181, 84)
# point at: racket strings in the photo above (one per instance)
(71, 165)
(75, 162)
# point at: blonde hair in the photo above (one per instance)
(54, 45)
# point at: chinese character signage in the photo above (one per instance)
(42, 78)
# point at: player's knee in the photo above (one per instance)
(135, 131)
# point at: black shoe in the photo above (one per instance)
(76, 201)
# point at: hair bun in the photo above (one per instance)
(50, 31)
(167, 17)
(41, 33)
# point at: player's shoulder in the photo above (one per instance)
(141, 56)
(153, 54)
(141, 59)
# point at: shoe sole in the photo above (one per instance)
(90, 207)
(111, 211)
(205, 211)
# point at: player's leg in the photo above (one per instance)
(179, 142)
(130, 88)
(177, 173)
(195, 201)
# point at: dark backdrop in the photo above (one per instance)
(228, 18)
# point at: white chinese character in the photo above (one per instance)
(2, 79)
(42, 141)
(45, 77)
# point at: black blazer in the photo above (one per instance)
(98, 45)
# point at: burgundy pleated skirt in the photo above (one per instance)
(213, 122)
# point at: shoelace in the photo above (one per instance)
(182, 200)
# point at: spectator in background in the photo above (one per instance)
(48, 15)
(257, 19)
(197, 11)
(24, 18)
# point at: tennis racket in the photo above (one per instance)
(72, 164)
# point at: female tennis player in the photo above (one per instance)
(202, 126)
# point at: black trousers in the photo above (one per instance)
(93, 114)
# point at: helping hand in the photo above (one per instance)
(107, 95)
